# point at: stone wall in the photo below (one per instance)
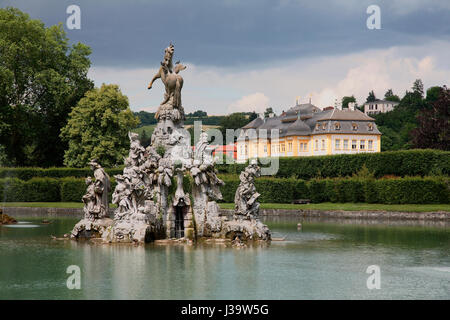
(338, 214)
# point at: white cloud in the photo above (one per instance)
(222, 90)
(254, 102)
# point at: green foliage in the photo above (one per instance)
(42, 78)
(388, 191)
(72, 189)
(398, 163)
(371, 97)
(28, 173)
(36, 189)
(412, 190)
(433, 130)
(346, 100)
(233, 121)
(98, 127)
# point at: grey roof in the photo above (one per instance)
(302, 120)
(344, 114)
(255, 123)
(298, 128)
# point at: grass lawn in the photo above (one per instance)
(352, 206)
(316, 206)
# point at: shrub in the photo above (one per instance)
(397, 163)
(28, 173)
(33, 190)
(72, 189)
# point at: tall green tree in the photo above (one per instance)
(371, 97)
(42, 78)
(233, 121)
(418, 87)
(433, 130)
(98, 128)
(346, 100)
(390, 96)
(268, 112)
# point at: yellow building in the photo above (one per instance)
(306, 130)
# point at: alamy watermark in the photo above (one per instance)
(374, 20)
(74, 19)
(74, 280)
(374, 280)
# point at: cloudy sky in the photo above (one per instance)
(248, 55)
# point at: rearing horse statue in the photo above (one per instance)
(173, 82)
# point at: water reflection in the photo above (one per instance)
(322, 260)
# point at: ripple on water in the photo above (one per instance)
(21, 226)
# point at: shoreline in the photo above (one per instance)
(44, 212)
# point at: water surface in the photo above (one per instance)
(324, 260)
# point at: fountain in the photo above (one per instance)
(167, 191)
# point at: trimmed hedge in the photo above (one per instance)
(33, 190)
(272, 190)
(417, 162)
(29, 173)
(408, 190)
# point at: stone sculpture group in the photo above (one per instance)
(167, 191)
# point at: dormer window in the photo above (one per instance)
(318, 126)
(354, 126)
(337, 126)
(370, 126)
(324, 126)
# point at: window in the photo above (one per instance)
(242, 150)
(370, 126)
(290, 147)
(246, 150)
(282, 147)
(362, 144)
(370, 145)
(354, 126)
(316, 147)
(354, 145)
(265, 148)
(323, 144)
(345, 144)
(278, 148)
(337, 144)
(337, 126)
(324, 126)
(305, 146)
(318, 126)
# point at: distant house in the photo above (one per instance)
(229, 150)
(306, 130)
(379, 106)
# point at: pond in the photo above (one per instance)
(323, 260)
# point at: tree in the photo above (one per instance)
(42, 78)
(433, 130)
(371, 97)
(346, 100)
(268, 112)
(390, 96)
(418, 87)
(197, 114)
(233, 121)
(433, 94)
(98, 128)
(252, 116)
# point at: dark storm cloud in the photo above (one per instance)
(231, 33)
